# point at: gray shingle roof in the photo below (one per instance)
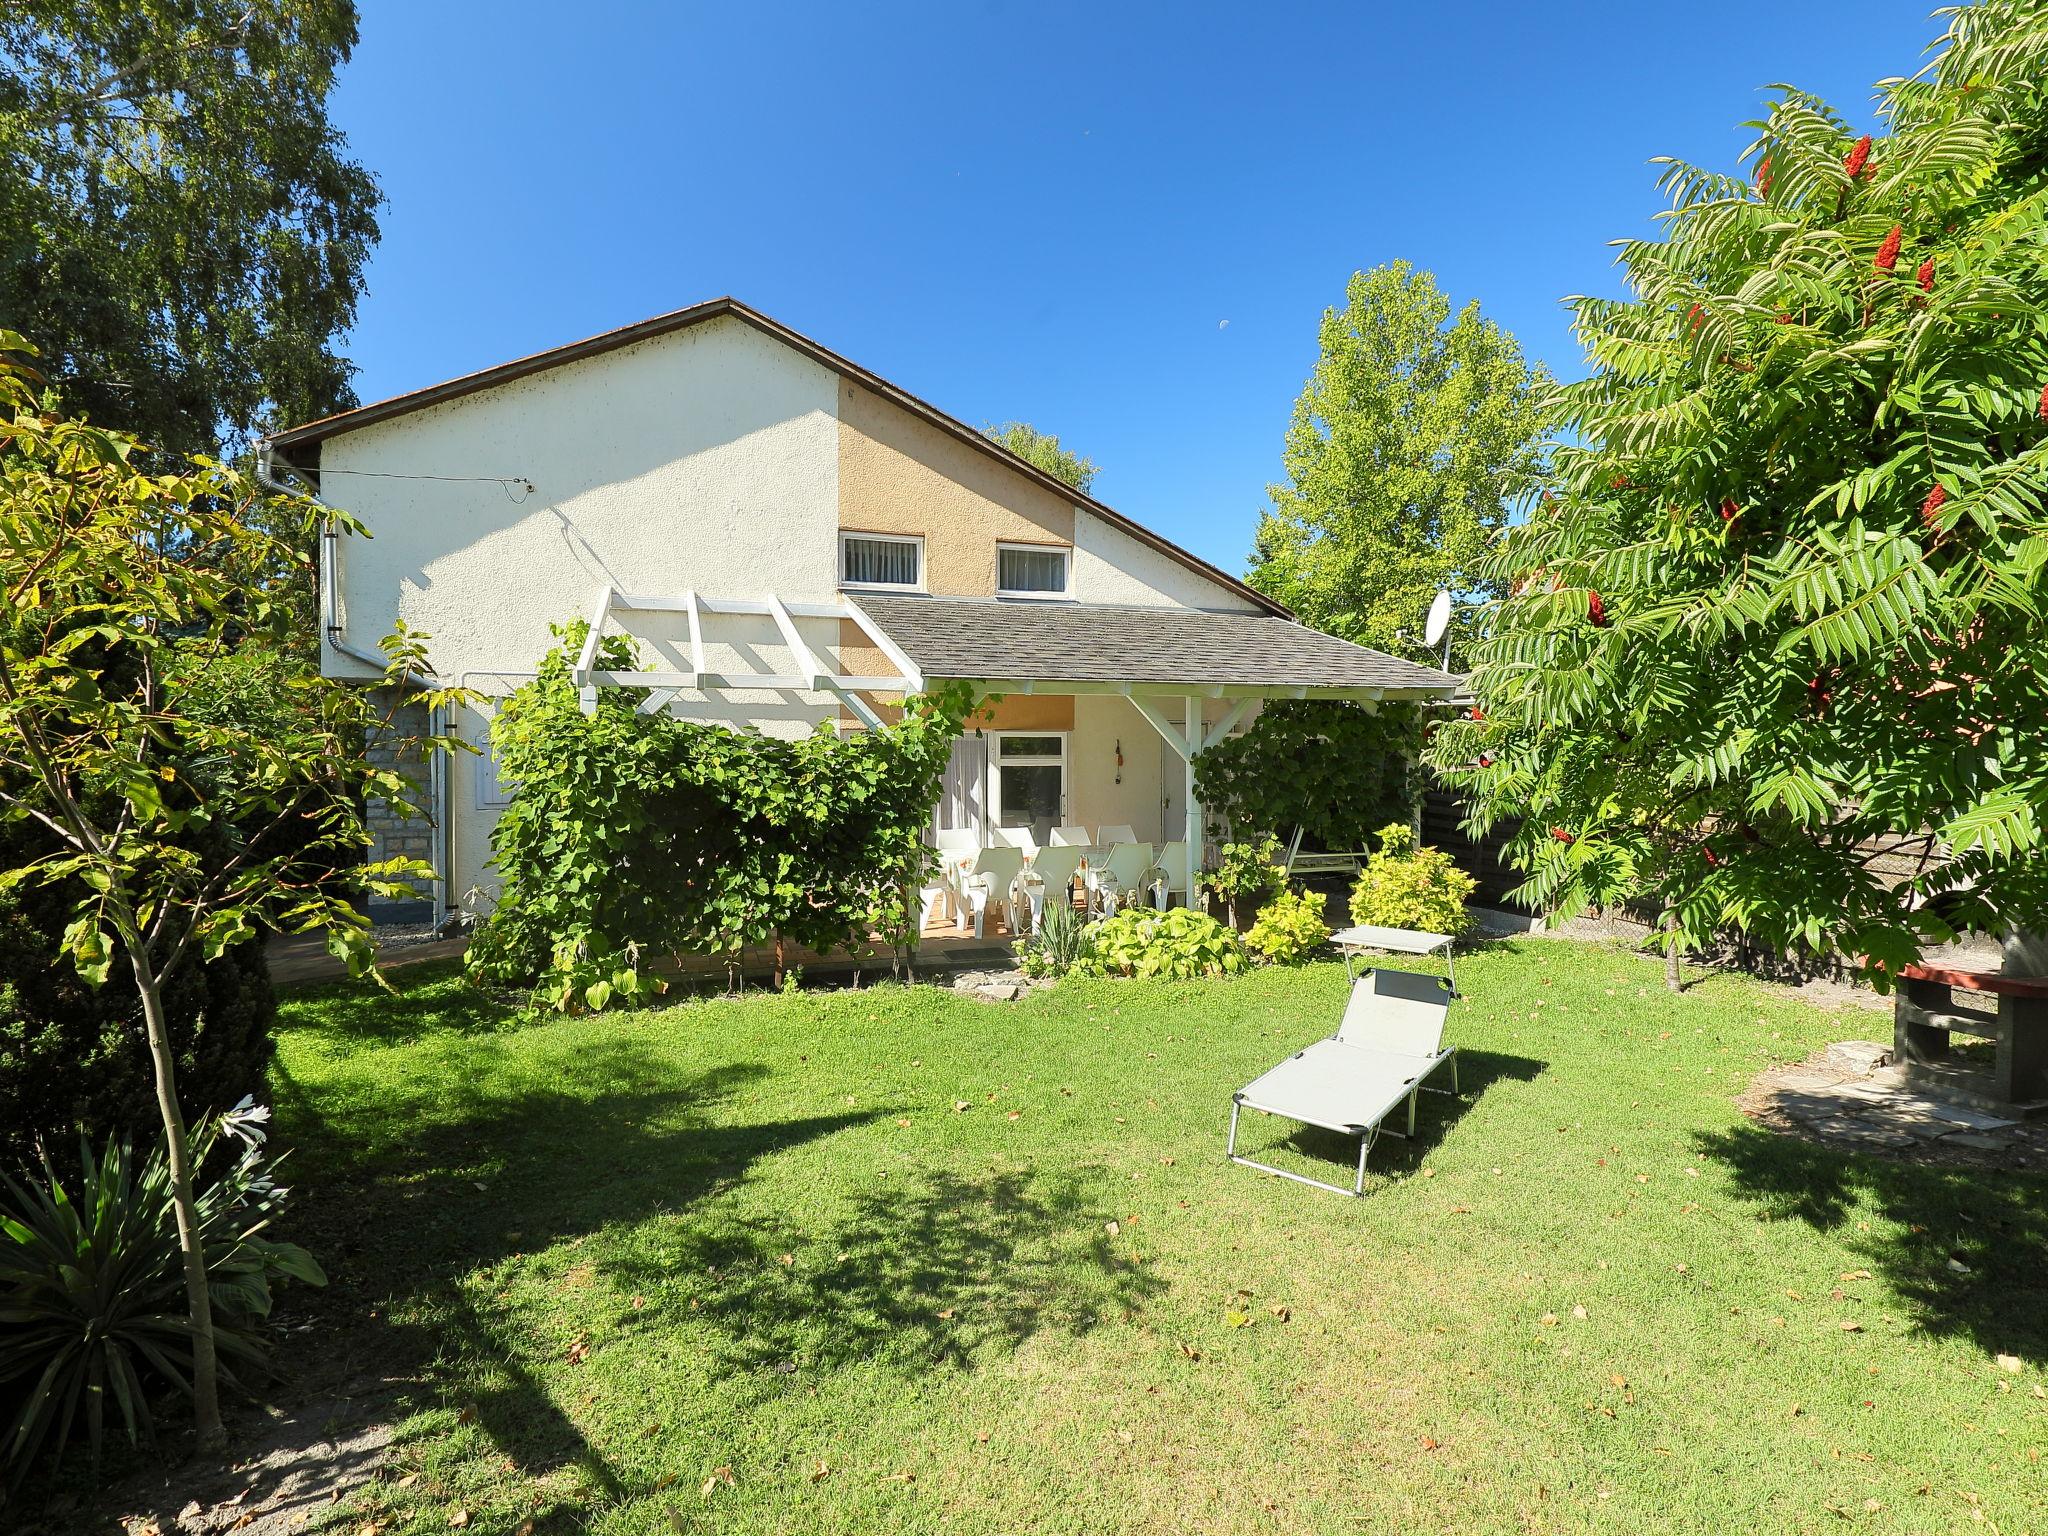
(1080, 642)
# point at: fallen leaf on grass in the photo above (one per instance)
(1429, 1445)
(961, 1106)
(1016, 1114)
(1282, 1313)
(2009, 1363)
(579, 1351)
(1548, 1319)
(1855, 1274)
(1112, 1228)
(981, 1437)
(459, 1519)
(466, 1416)
(1579, 1313)
(1850, 1325)
(408, 1480)
(524, 1527)
(1459, 1210)
(903, 1123)
(722, 1475)
(946, 1313)
(820, 1472)
(1238, 1319)
(1188, 1349)
(789, 1261)
(1618, 1379)
(900, 1477)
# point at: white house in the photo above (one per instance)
(793, 540)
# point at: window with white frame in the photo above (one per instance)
(1028, 781)
(889, 560)
(1031, 570)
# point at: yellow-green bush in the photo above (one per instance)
(1403, 886)
(1290, 928)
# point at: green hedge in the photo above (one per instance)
(74, 1054)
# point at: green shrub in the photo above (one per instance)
(1403, 886)
(1290, 928)
(1247, 872)
(1179, 944)
(92, 1285)
(1061, 943)
(1331, 768)
(73, 1055)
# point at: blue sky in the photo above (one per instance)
(1119, 222)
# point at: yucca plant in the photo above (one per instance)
(1061, 941)
(92, 1301)
(1780, 602)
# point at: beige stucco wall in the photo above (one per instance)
(900, 474)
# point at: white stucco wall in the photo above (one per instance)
(710, 457)
(706, 458)
(1112, 567)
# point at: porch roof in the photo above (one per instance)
(1100, 648)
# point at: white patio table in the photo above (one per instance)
(1400, 941)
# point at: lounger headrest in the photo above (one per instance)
(1398, 1011)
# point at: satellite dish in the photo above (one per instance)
(1439, 618)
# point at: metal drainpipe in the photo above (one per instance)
(330, 624)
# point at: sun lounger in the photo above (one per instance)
(1384, 1051)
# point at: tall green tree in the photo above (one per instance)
(101, 753)
(182, 231)
(1405, 445)
(1785, 599)
(1044, 450)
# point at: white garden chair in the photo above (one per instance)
(1117, 878)
(1109, 837)
(1051, 878)
(1020, 838)
(1168, 876)
(1072, 837)
(991, 873)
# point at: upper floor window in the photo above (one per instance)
(1031, 570)
(881, 560)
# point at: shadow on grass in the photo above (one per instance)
(490, 1172)
(1333, 1157)
(412, 1197)
(936, 1271)
(1994, 1224)
(431, 997)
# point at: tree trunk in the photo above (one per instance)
(205, 1377)
(1673, 981)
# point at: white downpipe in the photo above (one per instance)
(331, 631)
(1194, 810)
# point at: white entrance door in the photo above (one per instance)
(1027, 781)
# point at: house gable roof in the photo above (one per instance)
(315, 432)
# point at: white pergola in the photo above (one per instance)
(1188, 738)
(810, 675)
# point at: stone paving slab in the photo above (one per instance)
(1827, 1100)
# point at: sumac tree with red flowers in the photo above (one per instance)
(1781, 596)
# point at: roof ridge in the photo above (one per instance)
(319, 430)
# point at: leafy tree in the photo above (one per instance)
(183, 232)
(96, 592)
(1335, 769)
(1783, 599)
(1044, 450)
(1403, 448)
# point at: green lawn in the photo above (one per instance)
(766, 1235)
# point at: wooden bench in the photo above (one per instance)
(1927, 1013)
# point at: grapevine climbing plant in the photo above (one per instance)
(1777, 608)
(638, 834)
